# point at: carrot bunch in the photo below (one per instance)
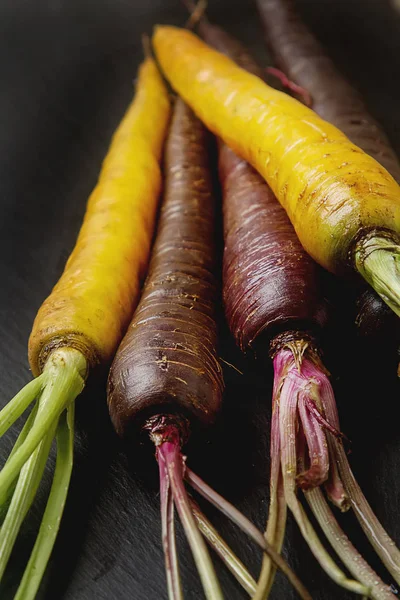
(338, 206)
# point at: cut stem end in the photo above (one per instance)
(377, 259)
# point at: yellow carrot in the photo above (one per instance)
(82, 321)
(345, 207)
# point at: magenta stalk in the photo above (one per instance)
(306, 444)
(168, 434)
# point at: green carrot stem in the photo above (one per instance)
(22, 498)
(15, 407)
(350, 557)
(20, 439)
(64, 376)
(378, 261)
(54, 509)
(228, 557)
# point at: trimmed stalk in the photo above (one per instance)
(311, 455)
(350, 557)
(378, 260)
(218, 544)
(168, 535)
(247, 527)
(57, 387)
(168, 433)
(54, 509)
(276, 524)
(170, 453)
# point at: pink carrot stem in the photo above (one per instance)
(290, 85)
(350, 557)
(247, 526)
(168, 535)
(170, 453)
(291, 381)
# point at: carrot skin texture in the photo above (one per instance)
(90, 306)
(167, 361)
(302, 58)
(299, 54)
(332, 191)
(270, 282)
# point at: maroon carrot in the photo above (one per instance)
(304, 62)
(271, 295)
(166, 375)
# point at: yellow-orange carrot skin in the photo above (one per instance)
(92, 303)
(330, 188)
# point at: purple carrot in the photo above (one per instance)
(166, 376)
(305, 63)
(272, 296)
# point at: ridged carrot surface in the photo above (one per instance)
(332, 191)
(92, 303)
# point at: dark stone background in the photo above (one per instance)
(66, 72)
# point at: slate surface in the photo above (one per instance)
(66, 71)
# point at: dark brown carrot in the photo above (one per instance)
(166, 374)
(302, 58)
(271, 296)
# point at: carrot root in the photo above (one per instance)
(311, 445)
(55, 389)
(378, 261)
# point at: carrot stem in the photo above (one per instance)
(383, 545)
(15, 407)
(64, 375)
(350, 557)
(377, 260)
(277, 514)
(20, 439)
(168, 535)
(170, 453)
(22, 498)
(247, 526)
(54, 509)
(290, 386)
(232, 562)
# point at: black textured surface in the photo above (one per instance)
(66, 71)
